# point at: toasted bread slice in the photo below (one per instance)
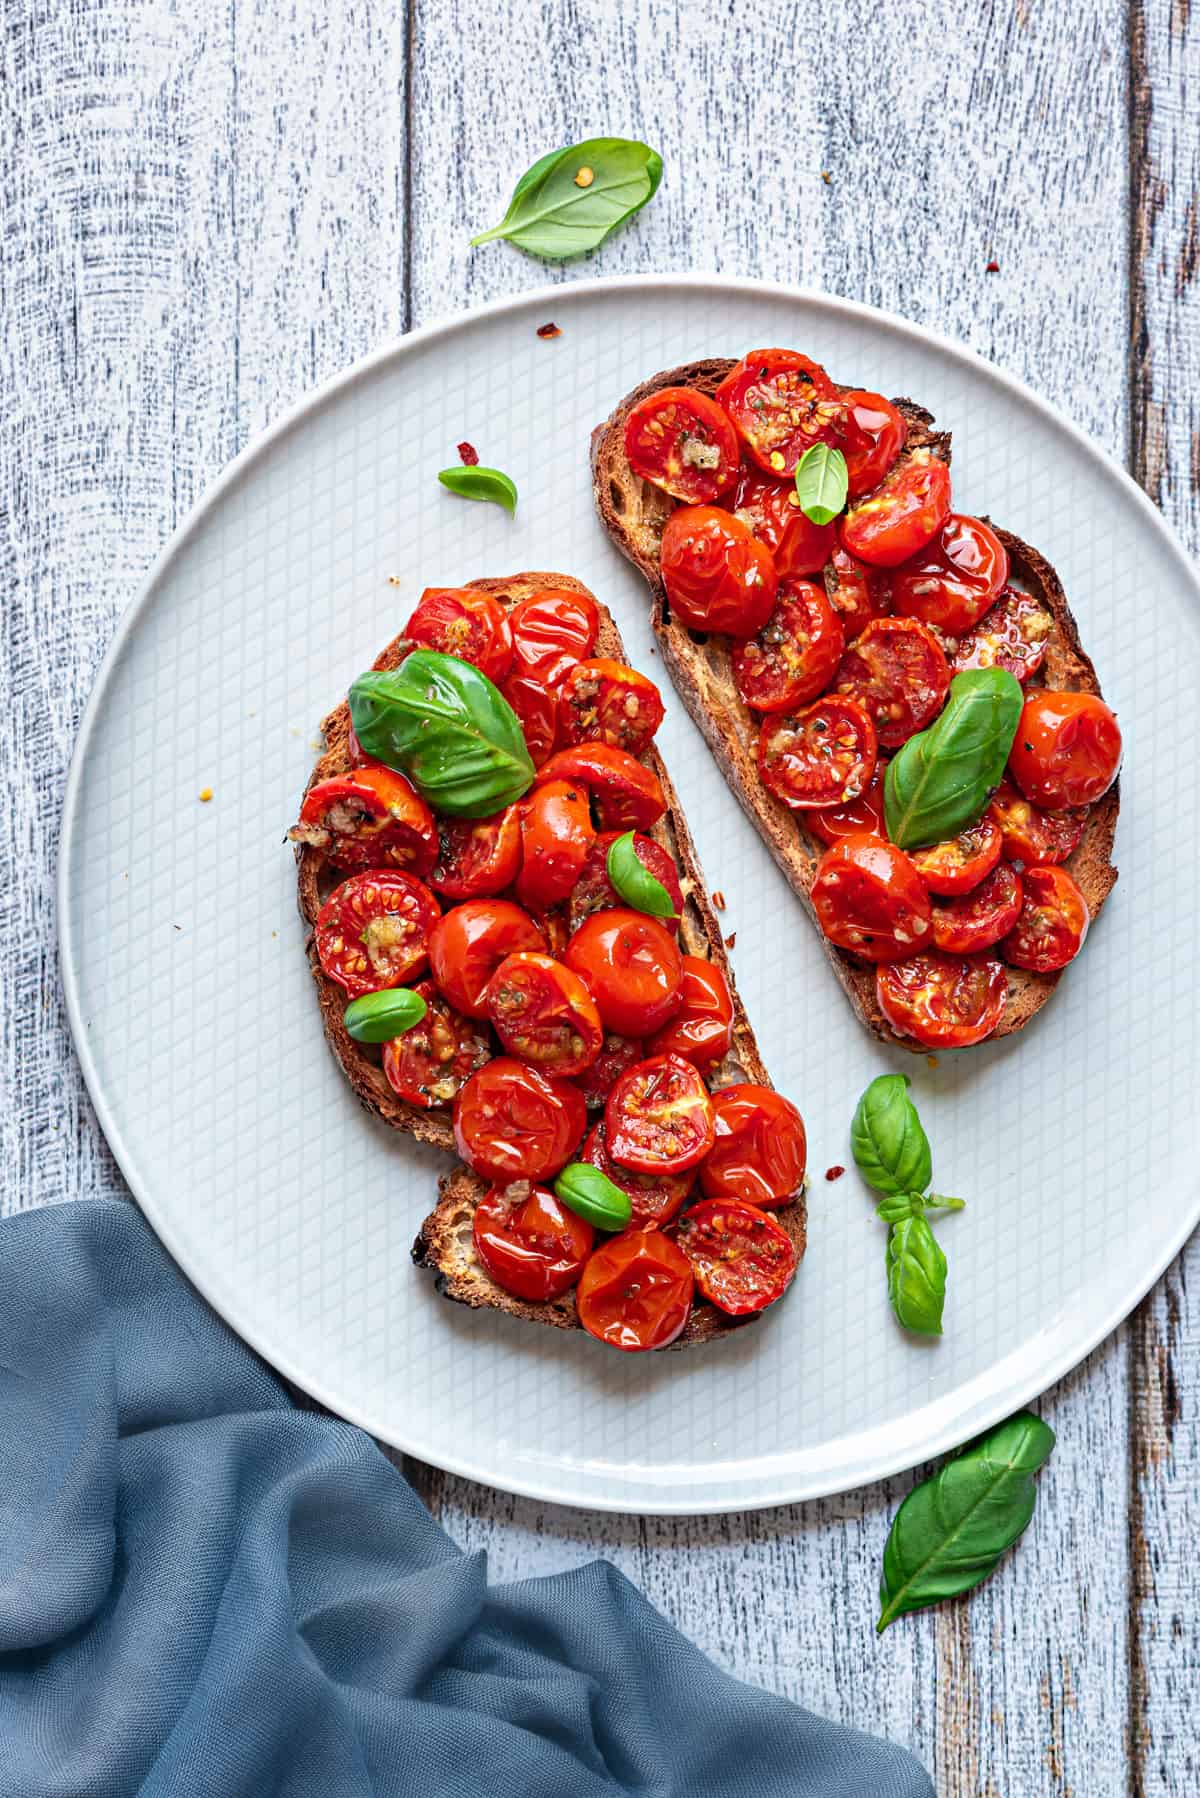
(634, 513)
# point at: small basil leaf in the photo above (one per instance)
(916, 1276)
(481, 483)
(895, 1210)
(633, 882)
(594, 1196)
(378, 1017)
(942, 778)
(553, 216)
(821, 483)
(890, 1147)
(443, 724)
(936, 1201)
(952, 1529)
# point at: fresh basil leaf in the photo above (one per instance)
(952, 1529)
(936, 1201)
(594, 1196)
(553, 216)
(633, 882)
(941, 779)
(378, 1017)
(916, 1276)
(895, 1210)
(481, 483)
(443, 724)
(890, 1147)
(821, 483)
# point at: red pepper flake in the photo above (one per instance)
(731, 939)
(834, 1173)
(468, 455)
(718, 900)
(993, 268)
(549, 330)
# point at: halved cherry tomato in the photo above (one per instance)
(544, 1014)
(954, 580)
(617, 1054)
(463, 622)
(681, 441)
(869, 898)
(594, 891)
(943, 1001)
(977, 919)
(898, 672)
(625, 795)
(632, 967)
(1053, 922)
(478, 857)
(430, 1062)
(961, 863)
(556, 834)
(824, 755)
(512, 1123)
(856, 592)
(468, 944)
(796, 653)
(1030, 834)
(717, 576)
(373, 931)
(659, 1117)
(901, 515)
(872, 437)
(1067, 749)
(369, 817)
(781, 403)
(743, 1260)
(552, 630)
(761, 1149)
(636, 1291)
(602, 701)
(702, 1026)
(536, 707)
(832, 822)
(771, 510)
(654, 1198)
(529, 1241)
(1012, 635)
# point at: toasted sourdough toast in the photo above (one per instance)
(634, 513)
(445, 1241)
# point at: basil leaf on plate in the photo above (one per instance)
(916, 1276)
(895, 1210)
(593, 1196)
(952, 1529)
(634, 883)
(821, 482)
(941, 779)
(570, 200)
(473, 482)
(378, 1017)
(443, 724)
(890, 1146)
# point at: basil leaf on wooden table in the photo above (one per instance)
(378, 1017)
(890, 1146)
(473, 482)
(952, 1529)
(570, 200)
(443, 724)
(634, 883)
(591, 1194)
(941, 779)
(821, 483)
(916, 1275)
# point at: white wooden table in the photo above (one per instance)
(206, 206)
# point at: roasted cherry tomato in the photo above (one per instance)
(636, 1291)
(832, 822)
(869, 898)
(824, 755)
(954, 580)
(960, 864)
(796, 653)
(601, 701)
(373, 931)
(556, 834)
(702, 1026)
(857, 593)
(632, 967)
(872, 437)
(771, 510)
(781, 403)
(942, 1001)
(681, 441)
(469, 943)
(659, 1117)
(977, 919)
(743, 1260)
(544, 1014)
(512, 1123)
(552, 630)
(529, 1241)
(1053, 922)
(625, 795)
(594, 891)
(655, 1198)
(1012, 635)
(1067, 749)
(368, 818)
(898, 672)
(430, 1062)
(717, 576)
(477, 857)
(1030, 834)
(617, 1054)
(900, 517)
(463, 622)
(536, 707)
(761, 1149)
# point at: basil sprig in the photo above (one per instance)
(942, 778)
(378, 1017)
(951, 1530)
(570, 200)
(821, 482)
(443, 724)
(594, 1196)
(634, 883)
(482, 483)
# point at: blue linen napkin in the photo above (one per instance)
(208, 1593)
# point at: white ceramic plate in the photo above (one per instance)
(293, 1212)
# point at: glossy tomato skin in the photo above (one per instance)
(795, 655)
(898, 671)
(781, 403)
(1013, 635)
(602, 701)
(513, 1123)
(659, 1117)
(797, 763)
(625, 795)
(369, 817)
(1031, 835)
(374, 931)
(770, 509)
(760, 1151)
(428, 1065)
(544, 1014)
(977, 919)
(536, 707)
(477, 857)
(873, 435)
(556, 835)
(961, 863)
(901, 516)
(702, 1026)
(870, 899)
(955, 579)
(1053, 923)
(654, 1198)
(635, 1292)
(742, 1259)
(616, 1055)
(943, 1001)
(468, 944)
(463, 622)
(681, 441)
(594, 891)
(632, 967)
(865, 813)
(529, 1242)
(857, 592)
(552, 629)
(1067, 749)
(717, 576)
